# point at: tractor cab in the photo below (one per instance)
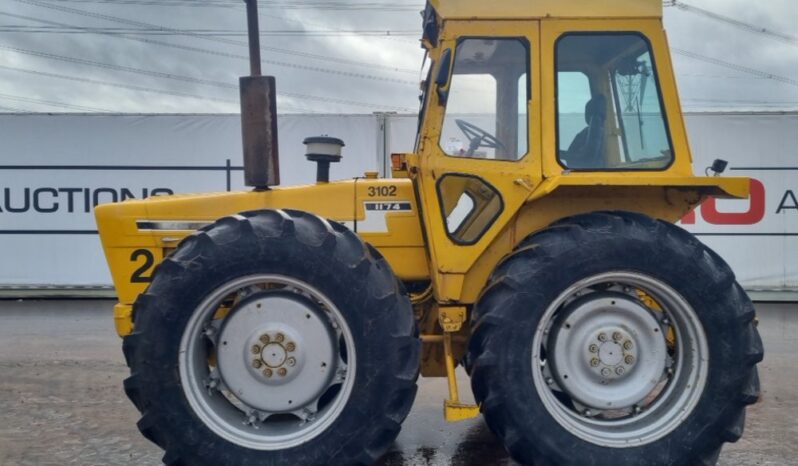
(610, 113)
(527, 104)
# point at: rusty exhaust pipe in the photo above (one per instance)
(258, 114)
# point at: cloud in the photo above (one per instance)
(335, 84)
(706, 86)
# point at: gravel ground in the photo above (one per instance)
(61, 401)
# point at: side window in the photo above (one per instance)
(609, 112)
(469, 205)
(486, 109)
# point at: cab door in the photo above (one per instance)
(479, 151)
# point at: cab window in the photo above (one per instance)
(609, 110)
(469, 205)
(486, 106)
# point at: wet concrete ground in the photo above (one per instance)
(61, 398)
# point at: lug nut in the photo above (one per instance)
(282, 372)
(593, 348)
(290, 346)
(279, 338)
(549, 380)
(602, 337)
(617, 336)
(627, 345)
(666, 321)
(606, 372)
(256, 363)
(594, 362)
(265, 339)
(588, 413)
(255, 349)
(619, 371)
(629, 359)
(291, 362)
(267, 372)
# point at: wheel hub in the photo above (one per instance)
(609, 351)
(612, 355)
(277, 352)
(275, 356)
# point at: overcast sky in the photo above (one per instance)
(46, 64)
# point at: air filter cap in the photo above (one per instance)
(323, 148)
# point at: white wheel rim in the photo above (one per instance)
(635, 416)
(311, 370)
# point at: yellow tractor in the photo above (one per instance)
(529, 237)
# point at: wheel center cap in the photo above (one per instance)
(611, 353)
(608, 351)
(273, 355)
(277, 351)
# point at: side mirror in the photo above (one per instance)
(442, 79)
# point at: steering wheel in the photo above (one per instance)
(478, 137)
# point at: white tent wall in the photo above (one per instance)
(53, 168)
(759, 237)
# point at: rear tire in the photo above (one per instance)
(568, 285)
(274, 275)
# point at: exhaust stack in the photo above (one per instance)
(258, 115)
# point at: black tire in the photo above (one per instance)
(330, 258)
(548, 262)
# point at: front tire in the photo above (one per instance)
(273, 337)
(627, 341)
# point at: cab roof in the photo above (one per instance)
(531, 9)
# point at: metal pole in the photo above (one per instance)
(254, 37)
